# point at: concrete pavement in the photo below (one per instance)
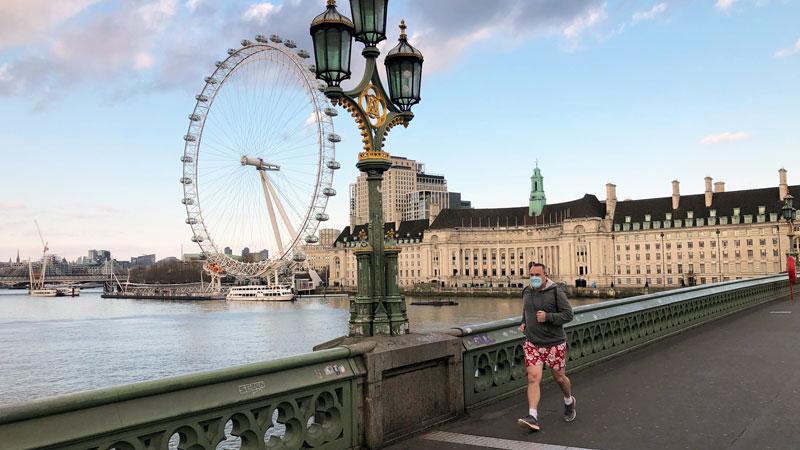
(734, 383)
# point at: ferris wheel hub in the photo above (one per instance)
(259, 164)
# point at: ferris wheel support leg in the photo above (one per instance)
(282, 211)
(272, 218)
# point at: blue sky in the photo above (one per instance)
(94, 97)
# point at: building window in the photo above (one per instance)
(668, 216)
(647, 217)
(762, 210)
(736, 211)
(627, 219)
(712, 213)
(690, 214)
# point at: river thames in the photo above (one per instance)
(52, 346)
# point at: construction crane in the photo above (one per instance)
(40, 279)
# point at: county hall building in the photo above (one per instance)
(658, 242)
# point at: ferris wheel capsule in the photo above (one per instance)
(186, 180)
(210, 80)
(246, 43)
(275, 38)
(197, 239)
(201, 98)
(220, 65)
(334, 165)
(194, 117)
(188, 201)
(303, 54)
(191, 221)
(186, 159)
(322, 217)
(231, 51)
(311, 239)
(189, 138)
(329, 191)
(299, 257)
(333, 137)
(330, 112)
(290, 43)
(261, 38)
(313, 69)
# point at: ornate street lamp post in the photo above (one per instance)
(789, 213)
(719, 257)
(378, 307)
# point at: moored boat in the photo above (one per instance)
(273, 293)
(44, 293)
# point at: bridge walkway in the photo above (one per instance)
(730, 384)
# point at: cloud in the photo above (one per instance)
(782, 53)
(12, 206)
(258, 12)
(724, 5)
(24, 21)
(445, 29)
(590, 18)
(724, 138)
(143, 60)
(99, 49)
(192, 5)
(651, 14)
(169, 46)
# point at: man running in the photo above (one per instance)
(545, 311)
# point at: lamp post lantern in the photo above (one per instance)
(789, 213)
(378, 308)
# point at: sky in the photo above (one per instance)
(94, 96)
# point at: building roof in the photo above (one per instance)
(748, 201)
(586, 206)
(410, 229)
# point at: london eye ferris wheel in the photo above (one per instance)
(259, 158)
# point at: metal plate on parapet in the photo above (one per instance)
(489, 338)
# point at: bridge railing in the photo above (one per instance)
(494, 363)
(310, 400)
(342, 397)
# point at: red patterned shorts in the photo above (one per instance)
(555, 357)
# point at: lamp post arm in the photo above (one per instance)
(370, 105)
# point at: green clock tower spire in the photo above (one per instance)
(537, 199)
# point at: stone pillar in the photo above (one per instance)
(719, 186)
(361, 307)
(395, 303)
(709, 194)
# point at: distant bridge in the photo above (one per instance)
(71, 279)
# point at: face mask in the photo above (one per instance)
(536, 282)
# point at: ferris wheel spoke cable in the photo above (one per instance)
(298, 214)
(281, 108)
(293, 190)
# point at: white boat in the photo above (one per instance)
(273, 293)
(68, 291)
(44, 293)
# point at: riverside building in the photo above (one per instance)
(664, 242)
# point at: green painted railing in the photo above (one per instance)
(306, 401)
(494, 364)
